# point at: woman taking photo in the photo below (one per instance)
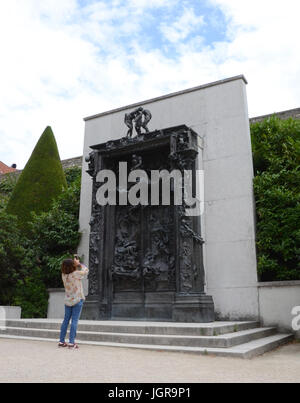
(73, 273)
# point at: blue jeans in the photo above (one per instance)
(74, 313)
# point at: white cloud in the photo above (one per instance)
(183, 26)
(264, 45)
(60, 62)
(142, 5)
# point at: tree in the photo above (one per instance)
(276, 155)
(55, 234)
(41, 181)
(29, 263)
(12, 252)
(7, 185)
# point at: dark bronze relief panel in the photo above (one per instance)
(146, 260)
(126, 267)
(158, 257)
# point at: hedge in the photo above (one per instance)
(276, 156)
(41, 181)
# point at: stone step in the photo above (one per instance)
(153, 328)
(235, 339)
(220, 341)
(246, 350)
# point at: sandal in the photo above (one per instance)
(60, 344)
(73, 346)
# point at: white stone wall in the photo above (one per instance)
(56, 303)
(218, 113)
(10, 312)
(276, 302)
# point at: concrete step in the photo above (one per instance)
(221, 341)
(246, 350)
(153, 328)
(235, 339)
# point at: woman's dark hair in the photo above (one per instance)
(68, 266)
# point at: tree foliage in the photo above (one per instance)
(30, 262)
(55, 234)
(276, 155)
(13, 264)
(41, 181)
(7, 184)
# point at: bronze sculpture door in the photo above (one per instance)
(146, 260)
(143, 266)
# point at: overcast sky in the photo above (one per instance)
(62, 60)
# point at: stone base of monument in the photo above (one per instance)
(194, 308)
(231, 339)
(94, 310)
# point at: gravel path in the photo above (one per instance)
(41, 361)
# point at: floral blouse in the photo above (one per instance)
(73, 286)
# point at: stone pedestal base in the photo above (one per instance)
(90, 310)
(197, 308)
(94, 310)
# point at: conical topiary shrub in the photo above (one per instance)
(41, 181)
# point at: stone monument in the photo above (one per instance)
(217, 112)
(146, 260)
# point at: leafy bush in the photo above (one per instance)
(276, 155)
(41, 181)
(31, 294)
(20, 283)
(73, 175)
(7, 185)
(12, 251)
(30, 263)
(54, 235)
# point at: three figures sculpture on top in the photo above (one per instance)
(140, 117)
